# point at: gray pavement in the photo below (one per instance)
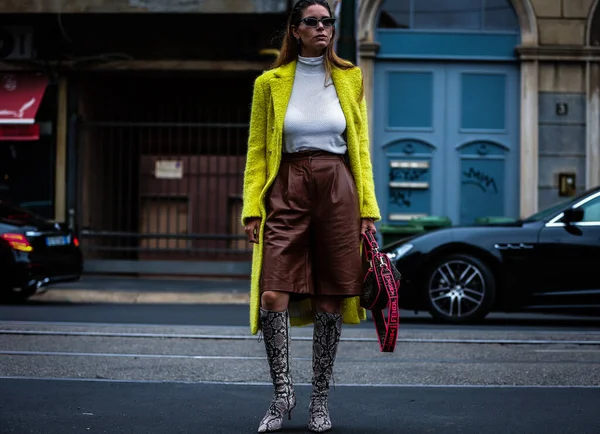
(224, 312)
(98, 298)
(125, 365)
(229, 354)
(48, 407)
(156, 284)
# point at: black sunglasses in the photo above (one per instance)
(314, 22)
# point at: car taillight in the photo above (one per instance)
(76, 242)
(18, 242)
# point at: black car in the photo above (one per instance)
(34, 253)
(544, 263)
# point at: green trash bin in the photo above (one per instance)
(391, 233)
(431, 222)
(494, 220)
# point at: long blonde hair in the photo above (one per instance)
(290, 48)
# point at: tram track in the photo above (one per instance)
(595, 342)
(230, 354)
(407, 335)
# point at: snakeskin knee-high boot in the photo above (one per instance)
(326, 337)
(276, 333)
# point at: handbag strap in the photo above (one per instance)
(387, 330)
(371, 245)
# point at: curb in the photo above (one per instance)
(138, 297)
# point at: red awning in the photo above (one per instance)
(20, 97)
(19, 132)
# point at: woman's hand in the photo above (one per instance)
(367, 225)
(252, 228)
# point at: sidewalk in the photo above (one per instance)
(109, 289)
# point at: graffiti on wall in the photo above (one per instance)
(408, 175)
(402, 198)
(481, 179)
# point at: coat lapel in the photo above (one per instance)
(344, 88)
(281, 91)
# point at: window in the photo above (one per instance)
(395, 14)
(591, 210)
(441, 14)
(470, 15)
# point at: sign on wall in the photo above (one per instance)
(168, 169)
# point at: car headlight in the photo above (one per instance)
(399, 252)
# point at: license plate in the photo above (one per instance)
(58, 241)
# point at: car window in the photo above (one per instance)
(555, 209)
(548, 212)
(591, 210)
(12, 214)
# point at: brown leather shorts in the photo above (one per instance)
(312, 232)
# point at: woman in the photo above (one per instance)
(308, 196)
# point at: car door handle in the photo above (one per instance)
(511, 246)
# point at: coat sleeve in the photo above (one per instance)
(255, 173)
(369, 208)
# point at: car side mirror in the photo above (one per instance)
(573, 215)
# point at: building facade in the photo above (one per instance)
(481, 108)
(137, 134)
(139, 139)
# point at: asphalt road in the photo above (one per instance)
(104, 407)
(237, 314)
(193, 368)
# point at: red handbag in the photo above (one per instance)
(380, 292)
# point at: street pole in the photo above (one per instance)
(347, 38)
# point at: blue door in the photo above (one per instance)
(460, 123)
(446, 110)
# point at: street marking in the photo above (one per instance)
(355, 360)
(266, 384)
(135, 356)
(72, 324)
(133, 297)
(409, 327)
(301, 338)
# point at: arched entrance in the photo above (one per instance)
(446, 107)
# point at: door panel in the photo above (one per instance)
(411, 107)
(409, 126)
(482, 191)
(409, 166)
(483, 134)
(459, 122)
(570, 257)
(570, 254)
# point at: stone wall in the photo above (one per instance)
(562, 22)
(563, 28)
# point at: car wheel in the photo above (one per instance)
(459, 289)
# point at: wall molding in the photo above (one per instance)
(559, 53)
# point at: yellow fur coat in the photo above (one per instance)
(272, 91)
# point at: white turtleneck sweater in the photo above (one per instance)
(314, 117)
